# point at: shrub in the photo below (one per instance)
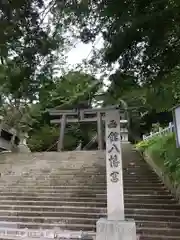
(143, 145)
(164, 153)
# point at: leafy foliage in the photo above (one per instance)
(28, 49)
(76, 89)
(43, 138)
(25, 47)
(70, 89)
(166, 155)
(142, 35)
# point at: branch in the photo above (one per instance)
(49, 7)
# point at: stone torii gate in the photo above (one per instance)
(84, 115)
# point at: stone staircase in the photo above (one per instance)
(67, 191)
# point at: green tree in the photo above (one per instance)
(67, 92)
(143, 36)
(28, 50)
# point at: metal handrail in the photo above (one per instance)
(92, 140)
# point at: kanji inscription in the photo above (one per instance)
(113, 136)
(114, 147)
(114, 177)
(112, 124)
(114, 162)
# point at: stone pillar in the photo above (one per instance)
(14, 147)
(62, 130)
(115, 227)
(23, 147)
(115, 230)
(99, 131)
(115, 195)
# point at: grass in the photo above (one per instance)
(164, 153)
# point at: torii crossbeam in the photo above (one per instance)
(82, 115)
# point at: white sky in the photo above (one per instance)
(81, 51)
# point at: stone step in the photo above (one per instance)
(86, 170)
(45, 204)
(10, 237)
(85, 179)
(127, 177)
(49, 221)
(68, 185)
(63, 208)
(68, 235)
(13, 237)
(78, 199)
(78, 191)
(31, 225)
(151, 211)
(94, 215)
(79, 174)
(148, 196)
(83, 187)
(87, 227)
(158, 231)
(93, 180)
(81, 194)
(136, 168)
(151, 217)
(99, 185)
(159, 224)
(54, 203)
(31, 234)
(152, 206)
(157, 237)
(60, 164)
(143, 184)
(44, 166)
(129, 199)
(150, 201)
(56, 209)
(47, 214)
(69, 181)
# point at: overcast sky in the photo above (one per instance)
(81, 51)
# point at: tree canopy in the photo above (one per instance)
(141, 36)
(67, 92)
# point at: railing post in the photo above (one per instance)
(170, 127)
